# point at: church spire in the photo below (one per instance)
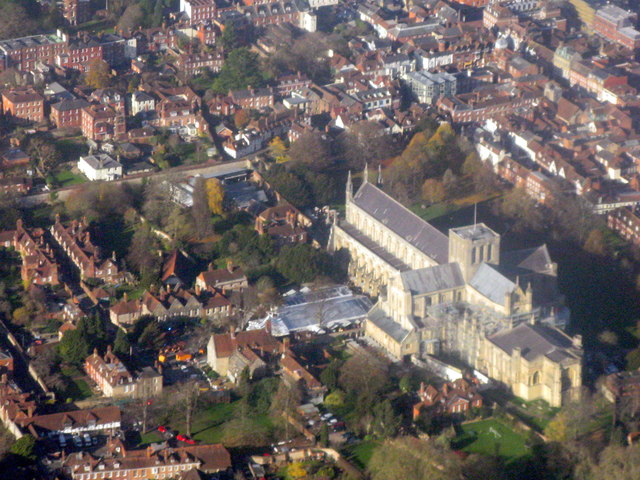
(365, 175)
(349, 186)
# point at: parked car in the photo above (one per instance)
(181, 437)
(62, 440)
(77, 441)
(87, 440)
(162, 429)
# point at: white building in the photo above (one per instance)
(141, 102)
(100, 167)
(427, 86)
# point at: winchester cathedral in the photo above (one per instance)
(459, 296)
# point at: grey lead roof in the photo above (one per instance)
(387, 325)
(491, 283)
(534, 259)
(534, 341)
(403, 222)
(433, 279)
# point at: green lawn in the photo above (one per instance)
(208, 423)
(360, 454)
(491, 437)
(432, 211)
(66, 178)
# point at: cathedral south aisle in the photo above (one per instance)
(459, 295)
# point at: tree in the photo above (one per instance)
(618, 463)
(407, 384)
(386, 423)
(241, 119)
(132, 18)
(324, 435)
(413, 459)
(73, 347)
(158, 14)
(15, 21)
(21, 316)
(330, 375)
(241, 70)
(299, 263)
(25, 448)
(519, 206)
(364, 375)
(151, 336)
(143, 255)
(278, 150)
(121, 344)
(200, 211)
(291, 187)
(313, 150)
(44, 152)
(287, 399)
(334, 400)
(243, 430)
(596, 243)
(99, 74)
(215, 196)
(433, 190)
(229, 38)
(366, 142)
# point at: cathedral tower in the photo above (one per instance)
(472, 245)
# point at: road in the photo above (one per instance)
(176, 173)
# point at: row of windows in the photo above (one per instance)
(477, 253)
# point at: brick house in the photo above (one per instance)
(23, 104)
(282, 224)
(225, 279)
(101, 123)
(254, 99)
(68, 113)
(114, 380)
(454, 397)
(229, 353)
(75, 240)
(157, 462)
(39, 265)
(24, 53)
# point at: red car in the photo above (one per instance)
(162, 429)
(181, 437)
(190, 441)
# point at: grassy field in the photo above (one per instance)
(66, 178)
(491, 437)
(360, 454)
(208, 424)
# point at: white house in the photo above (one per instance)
(141, 102)
(100, 166)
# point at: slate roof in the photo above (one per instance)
(491, 283)
(433, 279)
(66, 105)
(535, 259)
(387, 325)
(403, 222)
(535, 341)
